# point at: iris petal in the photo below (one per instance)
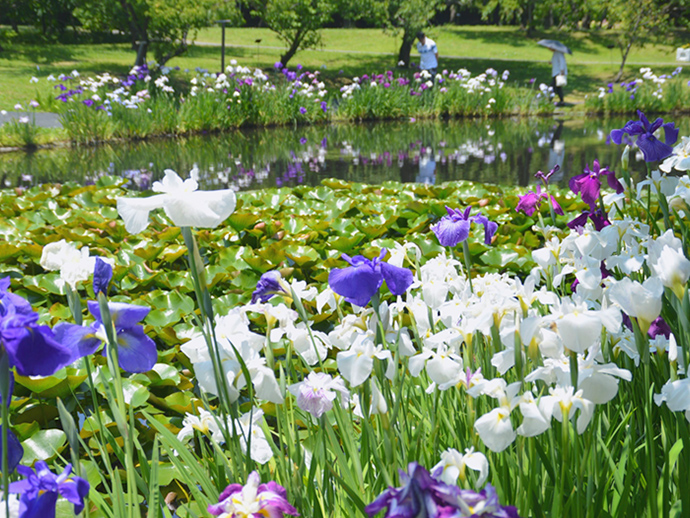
(449, 232)
(136, 351)
(357, 284)
(397, 279)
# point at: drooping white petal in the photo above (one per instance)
(135, 211)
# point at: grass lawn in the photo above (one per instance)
(344, 53)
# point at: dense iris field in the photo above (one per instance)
(468, 343)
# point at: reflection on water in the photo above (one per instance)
(504, 151)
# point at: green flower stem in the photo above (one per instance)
(468, 262)
(5, 391)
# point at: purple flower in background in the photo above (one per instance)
(652, 148)
(454, 227)
(269, 284)
(278, 65)
(598, 217)
(303, 140)
(41, 489)
(302, 110)
(416, 498)
(465, 503)
(324, 142)
(359, 282)
(253, 499)
(546, 177)
(659, 327)
(588, 184)
(315, 394)
(531, 201)
(136, 351)
(324, 106)
(88, 102)
(102, 274)
(33, 350)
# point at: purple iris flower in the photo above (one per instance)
(268, 500)
(40, 490)
(14, 447)
(464, 503)
(658, 327)
(531, 201)
(652, 148)
(136, 351)
(303, 140)
(416, 498)
(268, 285)
(454, 227)
(588, 184)
(359, 282)
(88, 102)
(33, 350)
(598, 217)
(324, 106)
(302, 110)
(546, 177)
(102, 274)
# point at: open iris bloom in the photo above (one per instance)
(136, 351)
(32, 349)
(182, 202)
(41, 489)
(652, 148)
(252, 500)
(588, 184)
(454, 227)
(361, 281)
(531, 201)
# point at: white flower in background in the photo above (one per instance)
(233, 330)
(641, 301)
(14, 506)
(24, 120)
(182, 203)
(494, 428)
(377, 403)
(248, 427)
(676, 395)
(680, 159)
(205, 422)
(316, 393)
(356, 363)
(74, 265)
(454, 464)
(673, 270)
(311, 351)
(566, 402)
(681, 196)
(536, 415)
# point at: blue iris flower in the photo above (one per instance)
(652, 148)
(40, 490)
(359, 282)
(136, 351)
(454, 227)
(102, 274)
(32, 349)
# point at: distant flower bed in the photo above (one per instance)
(149, 102)
(648, 93)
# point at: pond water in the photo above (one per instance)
(502, 151)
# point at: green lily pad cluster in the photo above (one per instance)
(301, 231)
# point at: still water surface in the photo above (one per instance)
(505, 152)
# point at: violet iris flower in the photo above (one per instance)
(253, 499)
(465, 503)
(454, 227)
(102, 274)
(136, 351)
(416, 498)
(33, 350)
(359, 282)
(598, 217)
(531, 201)
(652, 148)
(40, 490)
(269, 284)
(588, 184)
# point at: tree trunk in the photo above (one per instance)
(292, 50)
(405, 49)
(625, 57)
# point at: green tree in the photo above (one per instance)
(637, 22)
(165, 26)
(407, 17)
(296, 22)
